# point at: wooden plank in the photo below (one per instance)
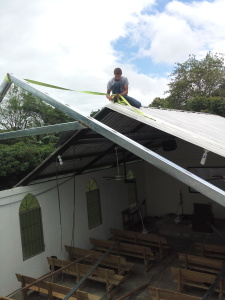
(5, 298)
(162, 294)
(134, 291)
(195, 279)
(126, 249)
(109, 277)
(210, 250)
(158, 243)
(113, 261)
(55, 290)
(195, 262)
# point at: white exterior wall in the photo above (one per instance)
(113, 195)
(163, 191)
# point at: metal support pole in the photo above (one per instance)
(89, 272)
(4, 87)
(179, 173)
(214, 284)
(41, 130)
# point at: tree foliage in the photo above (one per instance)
(197, 85)
(18, 157)
(21, 110)
(94, 112)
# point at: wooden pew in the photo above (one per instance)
(161, 294)
(157, 243)
(109, 277)
(5, 298)
(210, 250)
(196, 279)
(194, 262)
(113, 261)
(126, 249)
(52, 289)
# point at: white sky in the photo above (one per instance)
(70, 43)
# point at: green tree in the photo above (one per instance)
(94, 112)
(19, 159)
(196, 78)
(212, 105)
(159, 102)
(22, 110)
(20, 156)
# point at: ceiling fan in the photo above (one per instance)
(118, 176)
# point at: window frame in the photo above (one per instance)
(92, 191)
(31, 226)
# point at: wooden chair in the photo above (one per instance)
(198, 263)
(196, 279)
(158, 243)
(210, 250)
(112, 261)
(52, 290)
(106, 276)
(161, 294)
(142, 252)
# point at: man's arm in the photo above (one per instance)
(125, 92)
(108, 95)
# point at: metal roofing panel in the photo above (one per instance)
(204, 130)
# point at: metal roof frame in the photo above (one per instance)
(139, 150)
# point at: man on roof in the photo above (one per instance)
(119, 85)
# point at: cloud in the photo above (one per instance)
(72, 44)
(182, 28)
(66, 43)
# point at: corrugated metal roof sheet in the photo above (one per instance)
(204, 130)
(85, 150)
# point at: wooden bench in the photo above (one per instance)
(112, 261)
(5, 298)
(196, 279)
(199, 263)
(157, 243)
(109, 277)
(52, 289)
(161, 294)
(210, 250)
(126, 249)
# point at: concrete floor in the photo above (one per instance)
(181, 239)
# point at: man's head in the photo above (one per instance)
(117, 73)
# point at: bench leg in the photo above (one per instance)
(25, 297)
(180, 286)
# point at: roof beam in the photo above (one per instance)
(4, 87)
(135, 137)
(153, 158)
(41, 130)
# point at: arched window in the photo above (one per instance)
(31, 227)
(132, 189)
(93, 204)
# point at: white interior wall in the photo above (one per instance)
(113, 195)
(163, 191)
(159, 189)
